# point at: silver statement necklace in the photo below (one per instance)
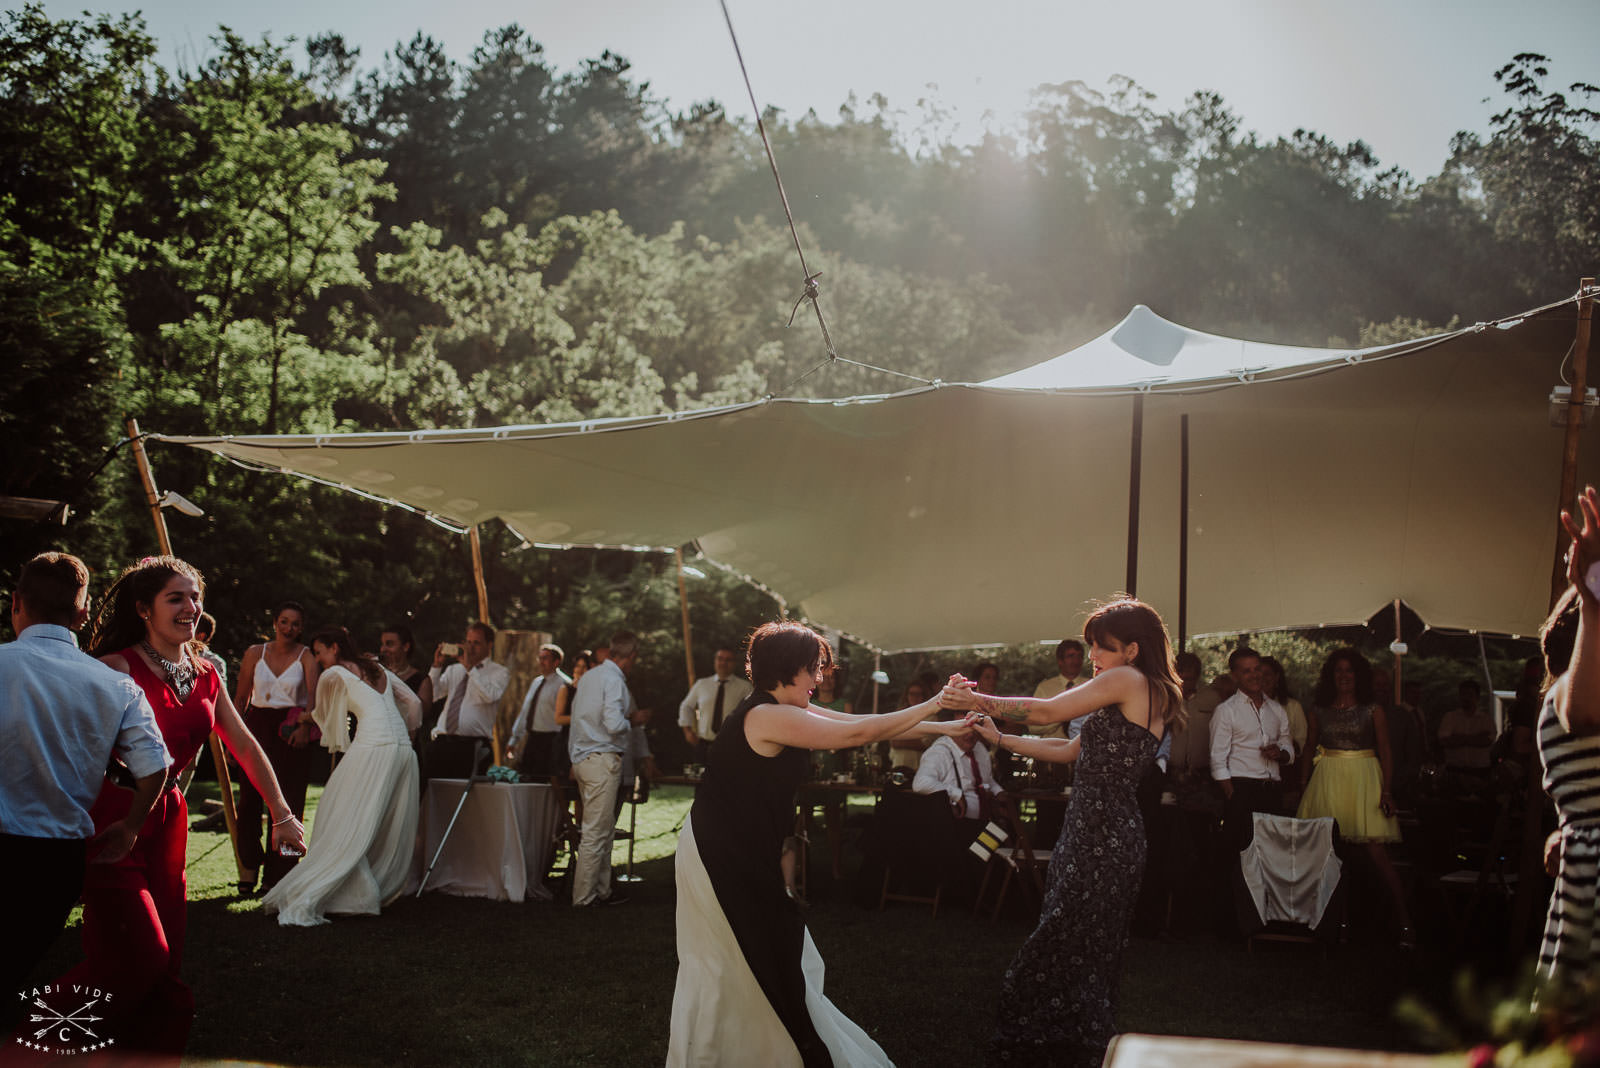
(180, 675)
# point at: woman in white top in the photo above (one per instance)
(366, 824)
(276, 687)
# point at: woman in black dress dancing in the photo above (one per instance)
(749, 977)
(1058, 1000)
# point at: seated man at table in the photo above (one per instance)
(960, 768)
(471, 690)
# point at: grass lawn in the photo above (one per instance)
(461, 981)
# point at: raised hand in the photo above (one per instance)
(1585, 550)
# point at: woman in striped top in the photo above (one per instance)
(1569, 749)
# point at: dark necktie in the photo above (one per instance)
(716, 709)
(452, 708)
(533, 703)
(984, 801)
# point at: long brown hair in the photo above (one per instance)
(1130, 620)
(117, 624)
(339, 638)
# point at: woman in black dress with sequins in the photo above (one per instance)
(1058, 998)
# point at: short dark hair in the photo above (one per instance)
(403, 632)
(987, 665)
(1187, 660)
(1280, 693)
(482, 628)
(205, 626)
(51, 585)
(1239, 654)
(779, 651)
(1067, 643)
(624, 643)
(284, 606)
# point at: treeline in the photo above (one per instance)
(282, 241)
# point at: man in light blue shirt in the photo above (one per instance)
(601, 711)
(62, 716)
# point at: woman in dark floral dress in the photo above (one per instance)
(1058, 999)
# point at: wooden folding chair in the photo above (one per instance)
(1018, 861)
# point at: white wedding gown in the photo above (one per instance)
(365, 828)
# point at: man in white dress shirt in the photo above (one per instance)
(471, 690)
(534, 734)
(602, 711)
(1250, 745)
(960, 769)
(709, 700)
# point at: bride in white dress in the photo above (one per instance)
(362, 837)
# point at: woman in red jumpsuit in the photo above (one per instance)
(133, 914)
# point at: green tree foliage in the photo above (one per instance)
(1539, 169)
(268, 213)
(281, 243)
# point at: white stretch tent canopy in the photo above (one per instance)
(1323, 484)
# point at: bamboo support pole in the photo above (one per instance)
(683, 605)
(151, 496)
(1569, 449)
(477, 573)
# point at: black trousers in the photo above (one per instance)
(537, 760)
(1249, 797)
(292, 767)
(44, 877)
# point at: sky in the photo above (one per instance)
(1403, 75)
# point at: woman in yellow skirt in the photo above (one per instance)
(1347, 732)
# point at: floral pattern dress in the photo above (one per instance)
(1059, 996)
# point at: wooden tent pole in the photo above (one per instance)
(218, 757)
(1183, 531)
(151, 496)
(683, 604)
(1397, 667)
(1135, 451)
(477, 573)
(1569, 451)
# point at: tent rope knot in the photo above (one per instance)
(811, 293)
